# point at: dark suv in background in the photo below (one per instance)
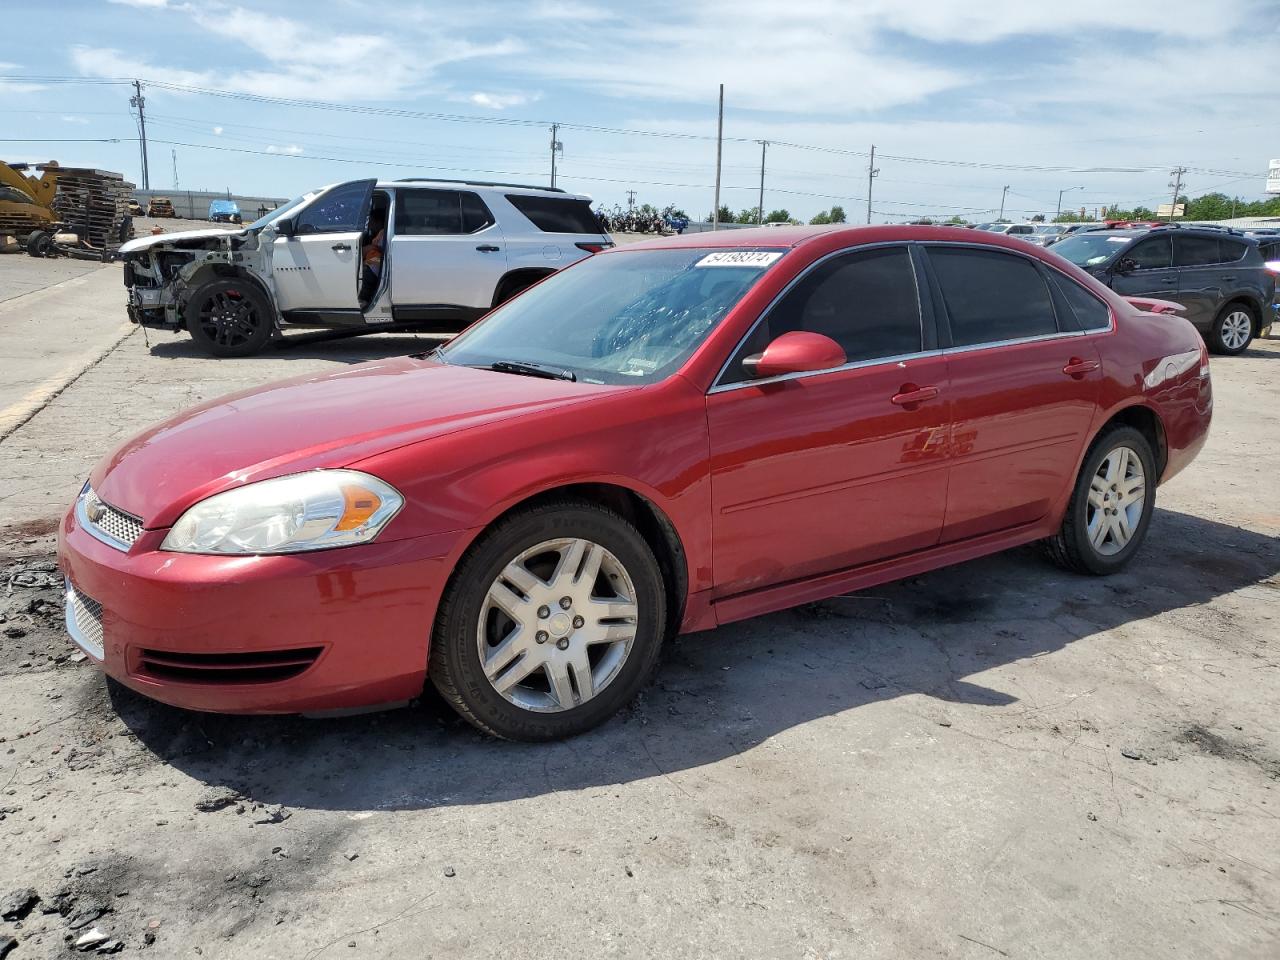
(1219, 277)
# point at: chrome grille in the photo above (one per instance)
(84, 621)
(120, 528)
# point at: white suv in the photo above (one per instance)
(364, 255)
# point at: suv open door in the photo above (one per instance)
(316, 253)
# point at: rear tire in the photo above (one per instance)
(230, 318)
(567, 642)
(1110, 508)
(40, 243)
(1232, 330)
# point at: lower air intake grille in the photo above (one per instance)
(258, 666)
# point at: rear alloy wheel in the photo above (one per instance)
(552, 622)
(229, 318)
(1232, 331)
(1110, 509)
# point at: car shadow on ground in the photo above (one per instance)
(720, 693)
(338, 346)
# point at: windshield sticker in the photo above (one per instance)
(1092, 260)
(1118, 239)
(739, 258)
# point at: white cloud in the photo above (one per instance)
(217, 131)
(500, 101)
(146, 4)
(74, 119)
(292, 150)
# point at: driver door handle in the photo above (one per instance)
(909, 395)
(1078, 368)
(488, 248)
(341, 246)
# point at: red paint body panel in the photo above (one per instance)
(780, 493)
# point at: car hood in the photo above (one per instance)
(312, 422)
(144, 243)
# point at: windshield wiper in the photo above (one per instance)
(526, 369)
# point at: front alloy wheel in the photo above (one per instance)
(551, 622)
(557, 625)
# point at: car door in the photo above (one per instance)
(1024, 386)
(317, 266)
(1148, 271)
(820, 471)
(1198, 262)
(447, 251)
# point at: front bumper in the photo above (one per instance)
(333, 630)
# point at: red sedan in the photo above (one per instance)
(661, 438)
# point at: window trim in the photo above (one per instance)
(927, 320)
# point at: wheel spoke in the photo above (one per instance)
(613, 632)
(561, 688)
(1120, 521)
(519, 575)
(1134, 486)
(500, 657)
(570, 561)
(506, 600)
(1098, 528)
(619, 609)
(580, 667)
(590, 566)
(517, 671)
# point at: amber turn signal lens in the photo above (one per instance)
(358, 506)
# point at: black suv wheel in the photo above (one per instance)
(1232, 330)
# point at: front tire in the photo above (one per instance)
(1232, 331)
(229, 318)
(1110, 508)
(551, 623)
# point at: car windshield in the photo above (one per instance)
(626, 317)
(1090, 249)
(281, 211)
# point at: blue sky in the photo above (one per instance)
(1114, 93)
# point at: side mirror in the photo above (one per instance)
(285, 228)
(1126, 265)
(796, 352)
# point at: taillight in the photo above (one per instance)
(1273, 266)
(594, 246)
(1204, 361)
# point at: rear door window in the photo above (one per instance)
(991, 296)
(1154, 253)
(428, 212)
(1192, 251)
(475, 214)
(1229, 251)
(556, 214)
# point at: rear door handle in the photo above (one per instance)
(341, 246)
(1228, 279)
(488, 248)
(909, 395)
(1078, 368)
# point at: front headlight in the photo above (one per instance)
(306, 511)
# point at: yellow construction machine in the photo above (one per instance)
(72, 211)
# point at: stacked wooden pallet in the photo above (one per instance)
(93, 204)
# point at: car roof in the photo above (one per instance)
(518, 188)
(797, 236)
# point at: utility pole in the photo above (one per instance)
(764, 145)
(174, 153)
(1176, 183)
(715, 212)
(556, 147)
(1003, 194)
(631, 200)
(137, 100)
(872, 172)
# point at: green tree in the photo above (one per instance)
(726, 215)
(957, 221)
(748, 215)
(1038, 218)
(778, 216)
(834, 215)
